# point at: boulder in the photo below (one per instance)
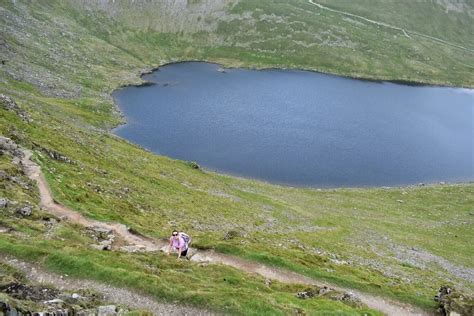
(56, 155)
(7, 103)
(25, 210)
(324, 291)
(194, 165)
(100, 233)
(3, 203)
(348, 299)
(451, 302)
(268, 282)
(106, 244)
(309, 293)
(98, 247)
(9, 146)
(108, 310)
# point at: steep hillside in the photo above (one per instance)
(62, 59)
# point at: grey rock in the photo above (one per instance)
(25, 210)
(351, 299)
(7, 103)
(9, 146)
(108, 310)
(132, 248)
(106, 244)
(54, 301)
(99, 247)
(324, 290)
(346, 298)
(20, 182)
(3, 203)
(57, 156)
(100, 233)
(268, 282)
(304, 295)
(452, 302)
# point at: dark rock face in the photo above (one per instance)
(194, 165)
(25, 292)
(57, 156)
(453, 303)
(9, 146)
(53, 302)
(7, 103)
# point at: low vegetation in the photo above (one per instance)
(62, 59)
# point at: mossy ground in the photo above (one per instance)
(62, 63)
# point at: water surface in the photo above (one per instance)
(302, 128)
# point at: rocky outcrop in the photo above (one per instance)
(324, 291)
(3, 203)
(9, 309)
(7, 103)
(53, 154)
(25, 210)
(194, 165)
(26, 299)
(453, 303)
(8, 146)
(103, 236)
(57, 156)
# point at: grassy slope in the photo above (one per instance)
(83, 57)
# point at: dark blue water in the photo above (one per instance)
(303, 128)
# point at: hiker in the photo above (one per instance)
(179, 242)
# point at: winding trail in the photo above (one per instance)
(383, 24)
(111, 294)
(33, 171)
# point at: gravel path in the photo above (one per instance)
(404, 31)
(111, 294)
(33, 171)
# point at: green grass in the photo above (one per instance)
(164, 278)
(64, 61)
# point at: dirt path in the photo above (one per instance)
(386, 306)
(33, 171)
(378, 23)
(111, 294)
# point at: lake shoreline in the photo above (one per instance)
(406, 82)
(290, 180)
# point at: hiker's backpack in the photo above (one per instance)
(186, 238)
